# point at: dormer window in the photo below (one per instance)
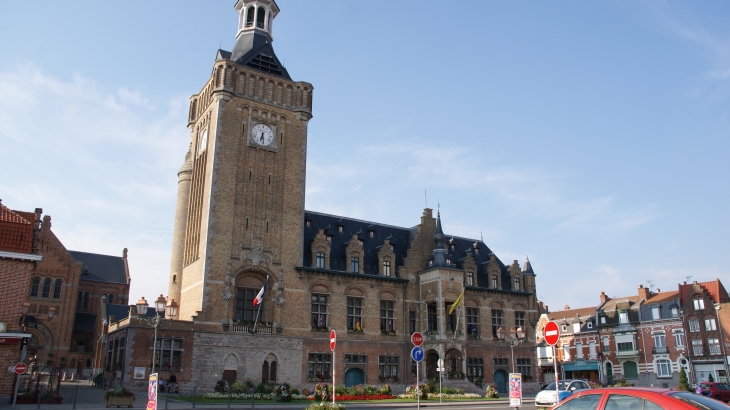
(517, 284)
(260, 17)
(590, 325)
(372, 233)
(448, 261)
(430, 263)
(476, 251)
(309, 223)
(675, 311)
(249, 16)
(576, 327)
(603, 320)
(339, 228)
(362, 242)
(564, 328)
(655, 313)
(699, 304)
(623, 317)
(470, 278)
(452, 246)
(329, 238)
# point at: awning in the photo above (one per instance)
(578, 367)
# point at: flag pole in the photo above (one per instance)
(256, 320)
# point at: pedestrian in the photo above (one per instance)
(698, 390)
(172, 383)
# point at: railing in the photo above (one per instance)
(631, 352)
(659, 350)
(261, 329)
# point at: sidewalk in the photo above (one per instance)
(91, 398)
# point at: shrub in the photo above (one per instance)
(710, 378)
(413, 390)
(295, 391)
(386, 390)
(683, 382)
(326, 405)
(282, 393)
(238, 387)
(622, 383)
(221, 386)
(491, 392)
(119, 391)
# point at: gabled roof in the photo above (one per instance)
(102, 268)
(16, 230)
(714, 289)
(571, 313)
(662, 297)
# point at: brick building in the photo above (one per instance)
(618, 327)
(240, 222)
(18, 257)
(700, 302)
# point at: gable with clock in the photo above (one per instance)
(263, 135)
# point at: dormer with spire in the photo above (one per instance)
(439, 258)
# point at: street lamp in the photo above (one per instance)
(156, 321)
(515, 338)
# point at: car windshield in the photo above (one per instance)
(561, 384)
(701, 402)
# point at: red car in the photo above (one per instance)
(719, 391)
(638, 398)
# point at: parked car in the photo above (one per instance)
(638, 398)
(718, 391)
(549, 396)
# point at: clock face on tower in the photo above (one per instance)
(262, 134)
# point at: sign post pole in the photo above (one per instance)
(417, 355)
(551, 334)
(333, 341)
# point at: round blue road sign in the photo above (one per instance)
(417, 354)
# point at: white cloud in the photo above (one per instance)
(102, 163)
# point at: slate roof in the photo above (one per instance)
(610, 309)
(399, 237)
(16, 230)
(253, 50)
(664, 301)
(102, 268)
(120, 311)
(714, 289)
(570, 313)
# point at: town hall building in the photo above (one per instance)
(240, 223)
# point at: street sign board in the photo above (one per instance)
(21, 368)
(552, 333)
(417, 354)
(333, 339)
(417, 339)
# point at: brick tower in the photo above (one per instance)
(241, 189)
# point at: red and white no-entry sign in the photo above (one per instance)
(21, 368)
(417, 339)
(333, 340)
(552, 333)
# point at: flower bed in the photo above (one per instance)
(247, 396)
(361, 397)
(443, 396)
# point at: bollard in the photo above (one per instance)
(76, 394)
(229, 397)
(194, 388)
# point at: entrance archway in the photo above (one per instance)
(432, 365)
(609, 372)
(353, 377)
(500, 379)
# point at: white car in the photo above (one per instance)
(548, 397)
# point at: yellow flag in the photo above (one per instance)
(357, 327)
(458, 302)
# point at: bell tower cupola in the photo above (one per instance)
(256, 16)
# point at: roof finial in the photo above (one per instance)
(481, 235)
(425, 195)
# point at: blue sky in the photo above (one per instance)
(590, 136)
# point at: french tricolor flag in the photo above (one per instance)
(260, 297)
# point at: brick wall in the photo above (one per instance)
(14, 284)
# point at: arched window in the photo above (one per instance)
(57, 289)
(46, 288)
(260, 17)
(249, 16)
(36, 285)
(265, 372)
(272, 372)
(110, 298)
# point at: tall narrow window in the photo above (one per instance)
(249, 16)
(697, 347)
(387, 315)
(655, 313)
(320, 260)
(412, 321)
(450, 318)
(46, 288)
(319, 311)
(354, 315)
(260, 17)
(517, 284)
(272, 372)
(710, 324)
(472, 322)
(623, 317)
(85, 302)
(520, 319)
(386, 268)
(35, 286)
(432, 318)
(494, 282)
(659, 339)
(699, 304)
(496, 322)
(470, 278)
(714, 345)
(244, 305)
(579, 350)
(265, 372)
(57, 289)
(679, 338)
(355, 264)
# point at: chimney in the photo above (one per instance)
(603, 297)
(644, 292)
(567, 307)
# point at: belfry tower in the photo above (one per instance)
(241, 188)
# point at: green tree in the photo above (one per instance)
(683, 382)
(710, 378)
